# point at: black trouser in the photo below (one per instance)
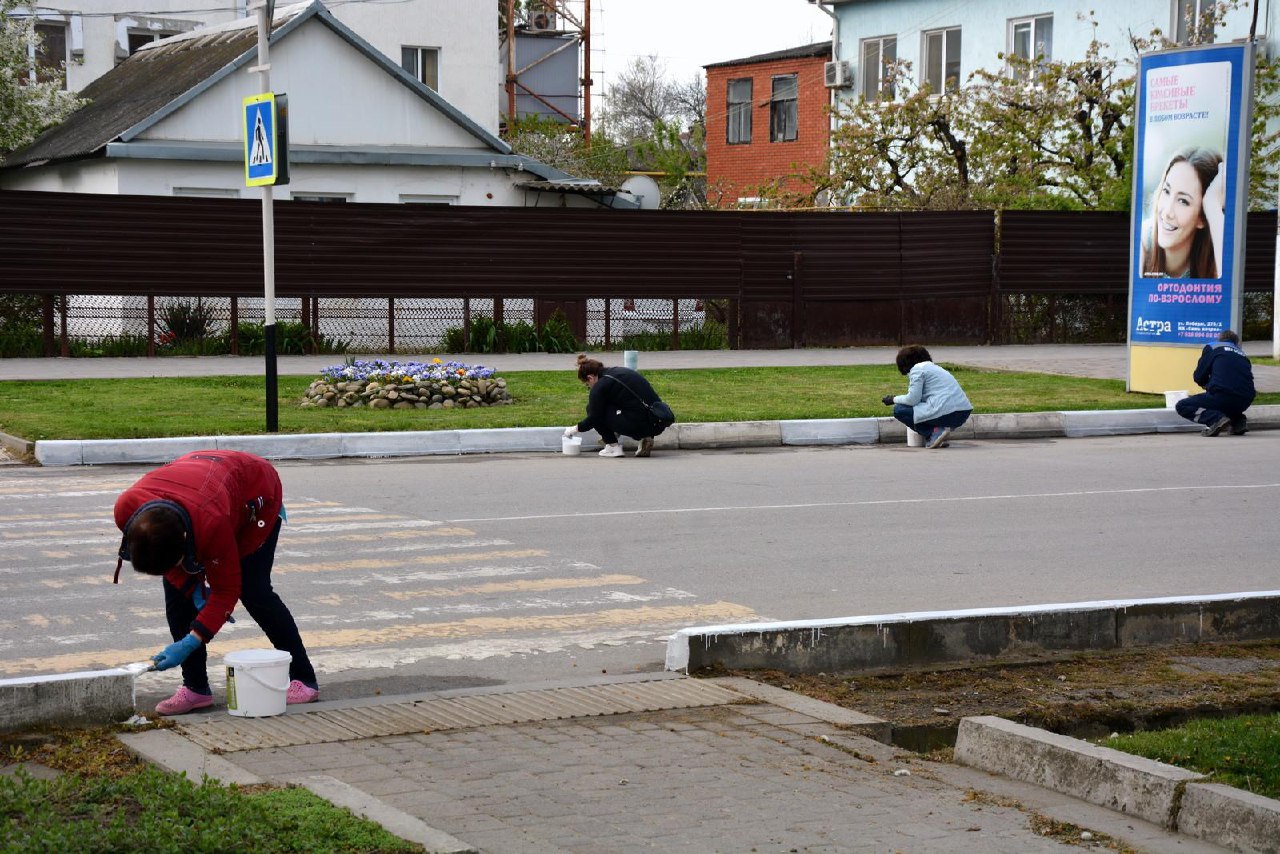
(625, 423)
(1208, 407)
(263, 604)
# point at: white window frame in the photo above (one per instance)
(1034, 24)
(427, 199)
(875, 85)
(419, 69)
(155, 36)
(779, 127)
(206, 192)
(944, 37)
(1179, 27)
(738, 114)
(33, 73)
(306, 196)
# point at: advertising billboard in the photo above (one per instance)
(1190, 187)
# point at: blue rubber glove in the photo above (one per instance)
(200, 595)
(176, 652)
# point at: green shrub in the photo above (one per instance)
(292, 339)
(519, 337)
(557, 336)
(484, 335)
(185, 321)
(20, 341)
(108, 345)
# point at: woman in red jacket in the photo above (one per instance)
(208, 523)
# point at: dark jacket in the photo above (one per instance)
(233, 499)
(1225, 369)
(610, 395)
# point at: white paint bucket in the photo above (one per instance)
(257, 682)
(914, 439)
(571, 445)
(1171, 398)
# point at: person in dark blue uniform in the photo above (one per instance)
(1226, 375)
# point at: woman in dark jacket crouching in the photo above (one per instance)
(618, 405)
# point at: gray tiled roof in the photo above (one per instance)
(135, 90)
(802, 52)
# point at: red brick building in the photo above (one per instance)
(767, 122)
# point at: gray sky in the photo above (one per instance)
(688, 34)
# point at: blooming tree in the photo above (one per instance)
(26, 106)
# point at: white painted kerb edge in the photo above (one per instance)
(678, 644)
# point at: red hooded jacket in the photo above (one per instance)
(233, 499)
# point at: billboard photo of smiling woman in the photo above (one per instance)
(1191, 168)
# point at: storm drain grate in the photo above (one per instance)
(230, 734)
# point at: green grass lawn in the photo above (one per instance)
(106, 800)
(156, 407)
(1243, 751)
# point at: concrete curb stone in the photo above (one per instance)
(1119, 781)
(687, 436)
(1232, 817)
(87, 697)
(1163, 794)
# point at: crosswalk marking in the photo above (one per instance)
(513, 586)
(320, 640)
(418, 560)
(367, 586)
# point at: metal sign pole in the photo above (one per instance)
(263, 68)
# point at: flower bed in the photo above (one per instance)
(378, 384)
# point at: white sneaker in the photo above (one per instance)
(614, 450)
(646, 447)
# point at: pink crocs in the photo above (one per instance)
(185, 700)
(299, 693)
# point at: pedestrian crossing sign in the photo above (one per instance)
(260, 149)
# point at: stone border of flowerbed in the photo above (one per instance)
(379, 384)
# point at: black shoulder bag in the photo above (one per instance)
(659, 413)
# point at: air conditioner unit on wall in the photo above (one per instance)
(838, 74)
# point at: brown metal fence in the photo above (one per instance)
(400, 277)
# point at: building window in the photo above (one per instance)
(320, 197)
(423, 63)
(49, 53)
(738, 129)
(942, 60)
(1031, 39)
(1193, 18)
(877, 75)
(783, 119)
(428, 200)
(206, 193)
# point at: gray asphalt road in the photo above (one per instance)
(422, 574)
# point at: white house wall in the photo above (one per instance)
(985, 35)
(99, 176)
(465, 31)
(374, 184)
(376, 108)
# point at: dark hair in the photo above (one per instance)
(1202, 263)
(1228, 335)
(156, 540)
(910, 356)
(588, 367)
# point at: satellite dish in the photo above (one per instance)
(644, 190)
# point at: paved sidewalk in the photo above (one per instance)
(729, 772)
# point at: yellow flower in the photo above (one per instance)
(436, 361)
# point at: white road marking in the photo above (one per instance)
(869, 503)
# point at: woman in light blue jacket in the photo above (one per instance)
(934, 404)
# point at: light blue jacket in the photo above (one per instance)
(931, 392)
